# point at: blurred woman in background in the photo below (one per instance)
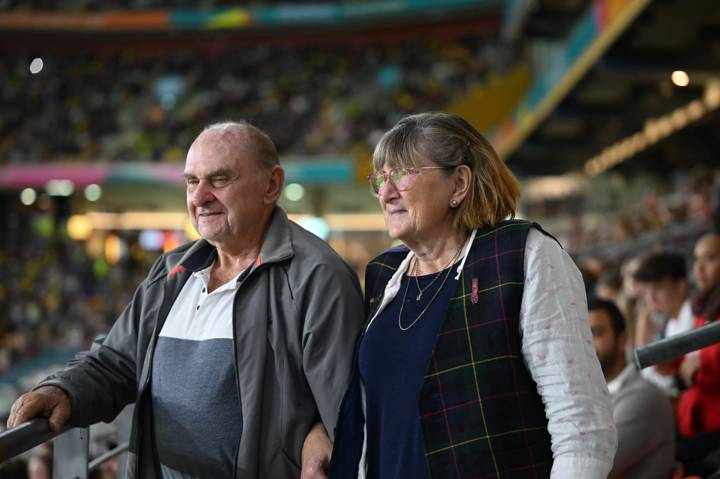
(698, 410)
(699, 406)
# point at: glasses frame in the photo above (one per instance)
(211, 181)
(386, 175)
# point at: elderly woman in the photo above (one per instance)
(477, 359)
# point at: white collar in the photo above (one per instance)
(393, 286)
(616, 384)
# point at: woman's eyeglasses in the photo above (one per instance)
(401, 178)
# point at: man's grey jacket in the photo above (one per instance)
(296, 318)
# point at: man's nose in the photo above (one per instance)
(202, 194)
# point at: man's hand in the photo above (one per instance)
(645, 329)
(316, 453)
(48, 401)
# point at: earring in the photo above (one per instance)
(453, 203)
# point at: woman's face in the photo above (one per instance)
(706, 268)
(421, 208)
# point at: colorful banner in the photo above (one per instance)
(297, 169)
(231, 18)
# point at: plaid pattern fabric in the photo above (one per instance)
(480, 411)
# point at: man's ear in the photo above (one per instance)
(275, 182)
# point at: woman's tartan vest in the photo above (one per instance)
(481, 414)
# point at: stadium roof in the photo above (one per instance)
(629, 110)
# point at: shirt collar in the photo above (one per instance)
(204, 275)
(616, 384)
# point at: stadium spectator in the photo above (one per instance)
(699, 192)
(643, 414)
(663, 280)
(609, 284)
(592, 269)
(699, 406)
(698, 411)
(630, 298)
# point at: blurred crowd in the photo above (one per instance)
(658, 295)
(56, 300)
(57, 297)
(128, 106)
(669, 219)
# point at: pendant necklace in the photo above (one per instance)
(427, 306)
(416, 267)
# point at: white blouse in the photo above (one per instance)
(558, 349)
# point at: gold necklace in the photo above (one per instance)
(416, 267)
(402, 305)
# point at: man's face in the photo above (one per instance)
(226, 187)
(664, 296)
(609, 347)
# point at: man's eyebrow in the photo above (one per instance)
(221, 172)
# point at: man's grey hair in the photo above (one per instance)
(259, 140)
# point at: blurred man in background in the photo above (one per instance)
(235, 345)
(643, 414)
(663, 280)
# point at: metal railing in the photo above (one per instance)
(675, 346)
(70, 446)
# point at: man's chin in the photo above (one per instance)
(209, 234)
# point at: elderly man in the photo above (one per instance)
(237, 347)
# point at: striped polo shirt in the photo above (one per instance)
(197, 417)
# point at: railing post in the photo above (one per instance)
(124, 426)
(70, 454)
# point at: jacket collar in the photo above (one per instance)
(277, 245)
